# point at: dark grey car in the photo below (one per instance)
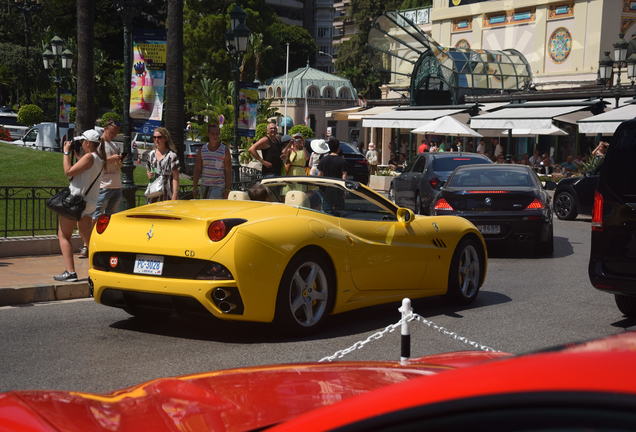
(418, 186)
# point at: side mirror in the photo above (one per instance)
(550, 185)
(405, 215)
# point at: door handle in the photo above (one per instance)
(349, 239)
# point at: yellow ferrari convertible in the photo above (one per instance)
(314, 246)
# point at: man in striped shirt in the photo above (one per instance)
(213, 166)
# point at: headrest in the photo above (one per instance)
(238, 195)
(297, 199)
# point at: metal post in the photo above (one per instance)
(128, 181)
(236, 172)
(405, 339)
(58, 78)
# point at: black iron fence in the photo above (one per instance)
(23, 210)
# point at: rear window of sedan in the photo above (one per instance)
(450, 163)
(487, 178)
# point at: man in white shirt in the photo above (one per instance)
(110, 193)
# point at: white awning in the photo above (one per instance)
(553, 130)
(521, 118)
(342, 114)
(407, 119)
(607, 122)
(360, 115)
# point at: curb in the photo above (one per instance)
(44, 293)
(37, 245)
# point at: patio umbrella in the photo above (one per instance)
(446, 125)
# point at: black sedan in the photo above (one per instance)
(574, 195)
(419, 184)
(507, 203)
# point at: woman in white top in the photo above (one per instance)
(84, 173)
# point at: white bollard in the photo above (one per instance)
(405, 342)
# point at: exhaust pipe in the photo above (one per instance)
(220, 294)
(226, 307)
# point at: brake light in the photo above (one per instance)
(597, 212)
(535, 204)
(487, 191)
(219, 228)
(102, 223)
(442, 204)
(434, 182)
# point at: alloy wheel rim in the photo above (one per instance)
(468, 271)
(308, 294)
(563, 204)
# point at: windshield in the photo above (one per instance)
(450, 163)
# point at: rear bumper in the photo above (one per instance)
(602, 280)
(530, 227)
(185, 296)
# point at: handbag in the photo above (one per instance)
(66, 204)
(154, 188)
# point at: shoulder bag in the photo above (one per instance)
(156, 187)
(66, 204)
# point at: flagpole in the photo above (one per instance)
(286, 77)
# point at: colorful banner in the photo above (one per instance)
(248, 105)
(148, 80)
(65, 108)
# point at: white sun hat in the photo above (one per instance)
(319, 146)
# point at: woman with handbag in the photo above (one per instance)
(85, 172)
(162, 168)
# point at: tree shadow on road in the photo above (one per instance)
(345, 324)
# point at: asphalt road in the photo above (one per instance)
(526, 303)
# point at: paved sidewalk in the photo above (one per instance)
(28, 279)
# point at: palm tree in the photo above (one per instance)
(85, 117)
(256, 52)
(174, 112)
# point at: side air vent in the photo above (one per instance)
(439, 243)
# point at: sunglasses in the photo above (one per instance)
(156, 137)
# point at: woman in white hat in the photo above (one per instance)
(84, 174)
(319, 148)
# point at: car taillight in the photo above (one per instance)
(597, 212)
(434, 182)
(219, 228)
(535, 204)
(442, 204)
(102, 223)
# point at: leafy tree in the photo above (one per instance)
(108, 116)
(30, 114)
(306, 131)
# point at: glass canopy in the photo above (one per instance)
(437, 75)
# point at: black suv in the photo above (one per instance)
(418, 186)
(612, 265)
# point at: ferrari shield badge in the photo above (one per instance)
(150, 232)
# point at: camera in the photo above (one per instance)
(77, 145)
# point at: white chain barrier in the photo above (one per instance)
(407, 316)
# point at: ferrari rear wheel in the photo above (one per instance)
(305, 294)
(465, 273)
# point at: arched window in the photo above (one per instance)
(312, 92)
(343, 93)
(270, 92)
(279, 92)
(328, 92)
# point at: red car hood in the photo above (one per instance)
(230, 400)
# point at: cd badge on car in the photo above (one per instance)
(150, 233)
(488, 201)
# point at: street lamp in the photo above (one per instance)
(631, 68)
(128, 9)
(27, 8)
(57, 59)
(617, 60)
(236, 43)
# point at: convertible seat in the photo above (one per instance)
(238, 195)
(297, 199)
